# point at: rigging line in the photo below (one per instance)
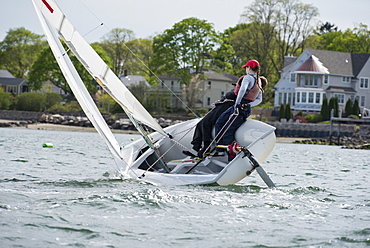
(175, 143)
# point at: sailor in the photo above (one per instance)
(249, 94)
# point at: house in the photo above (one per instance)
(319, 74)
(132, 80)
(212, 88)
(12, 84)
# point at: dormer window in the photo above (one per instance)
(309, 80)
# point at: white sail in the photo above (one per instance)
(77, 85)
(94, 64)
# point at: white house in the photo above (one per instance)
(319, 74)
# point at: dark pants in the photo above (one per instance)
(227, 124)
(203, 130)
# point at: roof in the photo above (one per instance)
(212, 75)
(339, 89)
(336, 62)
(5, 74)
(12, 81)
(131, 80)
(358, 62)
(313, 64)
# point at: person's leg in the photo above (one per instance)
(209, 123)
(197, 137)
(222, 125)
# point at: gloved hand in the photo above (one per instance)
(237, 109)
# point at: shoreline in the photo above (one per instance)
(59, 127)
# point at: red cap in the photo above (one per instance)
(251, 63)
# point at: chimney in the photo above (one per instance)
(289, 60)
(125, 73)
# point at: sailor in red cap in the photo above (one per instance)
(249, 94)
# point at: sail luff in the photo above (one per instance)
(77, 85)
(97, 67)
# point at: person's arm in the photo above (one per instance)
(243, 88)
(257, 101)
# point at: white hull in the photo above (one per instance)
(257, 136)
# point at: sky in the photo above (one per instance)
(150, 17)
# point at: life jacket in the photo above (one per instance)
(251, 94)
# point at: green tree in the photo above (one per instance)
(325, 111)
(138, 62)
(5, 99)
(115, 44)
(281, 112)
(19, 50)
(336, 107)
(288, 112)
(327, 27)
(183, 50)
(350, 41)
(349, 107)
(331, 106)
(356, 108)
(31, 101)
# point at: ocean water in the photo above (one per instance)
(69, 196)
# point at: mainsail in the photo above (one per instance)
(59, 24)
(77, 85)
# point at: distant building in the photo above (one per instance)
(131, 80)
(12, 84)
(213, 87)
(319, 74)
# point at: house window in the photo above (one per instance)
(346, 79)
(326, 79)
(284, 101)
(209, 84)
(309, 80)
(289, 98)
(340, 98)
(293, 77)
(364, 83)
(317, 98)
(208, 101)
(298, 97)
(304, 97)
(222, 94)
(362, 101)
(310, 97)
(280, 98)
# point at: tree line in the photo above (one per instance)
(269, 30)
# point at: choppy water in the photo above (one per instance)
(68, 196)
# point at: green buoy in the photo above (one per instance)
(49, 145)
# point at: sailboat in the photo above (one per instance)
(157, 157)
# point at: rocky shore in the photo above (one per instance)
(349, 136)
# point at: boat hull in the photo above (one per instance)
(257, 136)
